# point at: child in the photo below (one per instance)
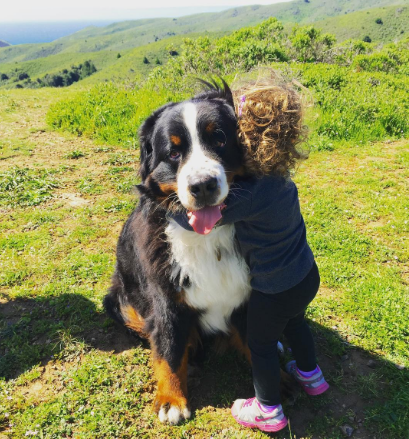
(271, 234)
(272, 237)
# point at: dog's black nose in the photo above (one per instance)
(204, 189)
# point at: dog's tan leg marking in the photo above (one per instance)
(171, 397)
(133, 320)
(237, 342)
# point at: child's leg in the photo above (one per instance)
(267, 317)
(297, 331)
(265, 324)
(299, 337)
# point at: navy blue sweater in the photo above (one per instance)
(270, 231)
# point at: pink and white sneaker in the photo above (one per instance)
(312, 382)
(250, 413)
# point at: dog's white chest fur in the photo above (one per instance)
(217, 287)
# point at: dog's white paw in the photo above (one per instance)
(173, 414)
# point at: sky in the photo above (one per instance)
(49, 10)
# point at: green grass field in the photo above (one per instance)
(70, 372)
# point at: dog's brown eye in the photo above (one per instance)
(174, 155)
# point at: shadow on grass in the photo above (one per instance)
(367, 394)
(36, 330)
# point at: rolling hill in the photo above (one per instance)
(395, 24)
(129, 34)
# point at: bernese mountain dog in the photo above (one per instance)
(173, 286)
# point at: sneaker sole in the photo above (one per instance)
(318, 391)
(263, 427)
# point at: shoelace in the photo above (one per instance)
(249, 402)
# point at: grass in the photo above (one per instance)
(69, 371)
(363, 23)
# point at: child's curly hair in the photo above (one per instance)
(270, 126)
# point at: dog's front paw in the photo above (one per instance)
(171, 410)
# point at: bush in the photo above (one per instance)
(379, 21)
(145, 60)
(309, 44)
(4, 77)
(367, 39)
(68, 77)
(392, 59)
(23, 76)
(107, 112)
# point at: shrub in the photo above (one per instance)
(309, 44)
(4, 77)
(392, 59)
(68, 77)
(145, 60)
(379, 21)
(108, 113)
(23, 76)
(367, 39)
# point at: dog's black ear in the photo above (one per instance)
(145, 141)
(216, 90)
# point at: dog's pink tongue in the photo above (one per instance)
(203, 220)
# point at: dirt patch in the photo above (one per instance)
(74, 200)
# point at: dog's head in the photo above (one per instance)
(190, 152)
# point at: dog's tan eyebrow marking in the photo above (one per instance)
(176, 140)
(210, 127)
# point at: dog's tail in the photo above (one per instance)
(111, 301)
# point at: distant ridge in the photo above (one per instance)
(4, 43)
(130, 34)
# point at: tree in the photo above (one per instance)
(4, 77)
(158, 61)
(367, 39)
(379, 21)
(87, 69)
(145, 60)
(23, 76)
(118, 55)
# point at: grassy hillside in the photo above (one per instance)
(126, 35)
(357, 25)
(109, 66)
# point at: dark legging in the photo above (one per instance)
(269, 316)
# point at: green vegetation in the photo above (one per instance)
(119, 37)
(65, 78)
(26, 187)
(69, 369)
(66, 370)
(129, 67)
(361, 24)
(357, 103)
